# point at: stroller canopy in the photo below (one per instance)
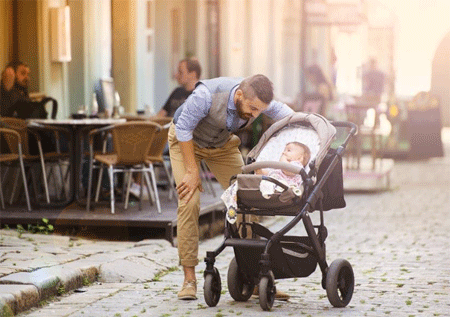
(310, 129)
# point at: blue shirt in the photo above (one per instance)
(197, 106)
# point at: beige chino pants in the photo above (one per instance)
(223, 162)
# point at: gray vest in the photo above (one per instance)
(212, 130)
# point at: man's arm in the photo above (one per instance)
(191, 179)
(8, 78)
(195, 108)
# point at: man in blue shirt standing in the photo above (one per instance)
(203, 128)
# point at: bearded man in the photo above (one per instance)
(204, 128)
(14, 86)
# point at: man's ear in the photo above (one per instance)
(239, 93)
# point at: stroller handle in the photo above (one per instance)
(346, 124)
(271, 164)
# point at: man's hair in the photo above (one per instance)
(257, 86)
(306, 151)
(193, 65)
(15, 64)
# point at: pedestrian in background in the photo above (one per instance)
(189, 72)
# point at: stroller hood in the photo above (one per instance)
(325, 130)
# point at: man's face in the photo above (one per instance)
(248, 108)
(183, 74)
(22, 76)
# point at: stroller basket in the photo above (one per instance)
(291, 257)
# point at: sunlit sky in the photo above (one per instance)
(422, 24)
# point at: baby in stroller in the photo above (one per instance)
(295, 153)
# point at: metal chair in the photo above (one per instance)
(156, 157)
(54, 156)
(131, 145)
(15, 145)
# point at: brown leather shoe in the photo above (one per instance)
(188, 291)
(279, 295)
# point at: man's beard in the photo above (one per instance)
(241, 113)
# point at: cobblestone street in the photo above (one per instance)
(397, 242)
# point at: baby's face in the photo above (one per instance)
(292, 152)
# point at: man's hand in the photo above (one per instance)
(8, 78)
(191, 181)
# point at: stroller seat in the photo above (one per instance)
(267, 153)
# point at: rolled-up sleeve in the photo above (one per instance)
(278, 110)
(195, 108)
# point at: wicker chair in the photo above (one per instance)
(156, 157)
(131, 144)
(15, 144)
(54, 156)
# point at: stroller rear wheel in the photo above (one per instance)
(239, 289)
(340, 283)
(212, 288)
(267, 291)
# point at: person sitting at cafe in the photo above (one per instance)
(14, 86)
(189, 72)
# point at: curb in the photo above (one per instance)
(22, 291)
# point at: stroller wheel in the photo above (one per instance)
(267, 292)
(239, 289)
(212, 288)
(340, 283)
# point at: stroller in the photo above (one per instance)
(265, 256)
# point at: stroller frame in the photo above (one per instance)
(337, 279)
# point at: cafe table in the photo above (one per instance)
(76, 128)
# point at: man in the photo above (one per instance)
(14, 86)
(189, 72)
(203, 128)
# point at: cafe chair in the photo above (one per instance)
(156, 157)
(131, 145)
(30, 134)
(16, 155)
(161, 120)
(49, 144)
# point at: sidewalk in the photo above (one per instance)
(36, 267)
(397, 242)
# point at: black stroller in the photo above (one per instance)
(263, 256)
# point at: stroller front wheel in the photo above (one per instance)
(267, 291)
(239, 289)
(212, 288)
(340, 282)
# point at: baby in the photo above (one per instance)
(294, 153)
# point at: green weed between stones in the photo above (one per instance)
(160, 274)
(44, 228)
